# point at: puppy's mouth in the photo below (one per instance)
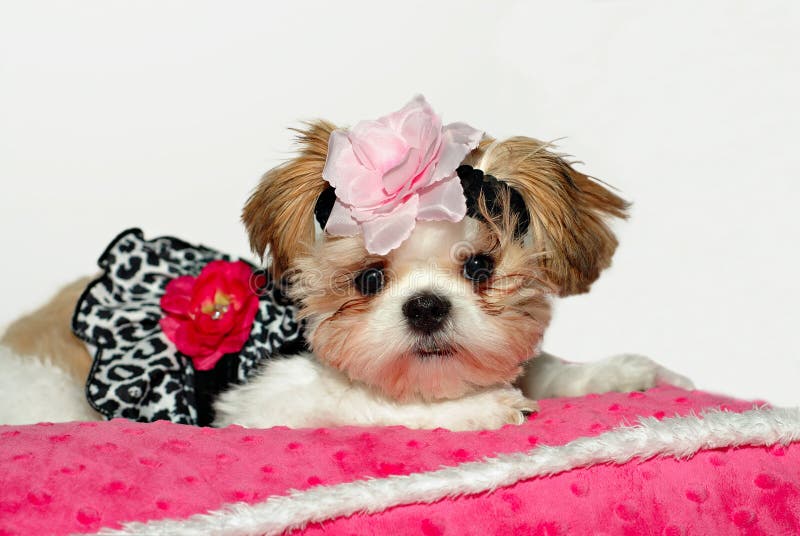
(425, 350)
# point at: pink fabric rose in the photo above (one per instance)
(210, 315)
(393, 171)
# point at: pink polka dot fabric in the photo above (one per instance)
(80, 477)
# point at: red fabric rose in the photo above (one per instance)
(210, 315)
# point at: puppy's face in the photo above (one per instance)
(457, 306)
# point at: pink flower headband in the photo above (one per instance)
(393, 171)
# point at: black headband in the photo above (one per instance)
(474, 182)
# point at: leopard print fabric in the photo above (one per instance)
(137, 371)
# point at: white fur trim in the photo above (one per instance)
(678, 437)
(34, 390)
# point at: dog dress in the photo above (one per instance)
(171, 325)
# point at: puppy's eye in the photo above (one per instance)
(370, 281)
(478, 268)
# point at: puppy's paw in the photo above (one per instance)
(630, 372)
(515, 407)
(493, 409)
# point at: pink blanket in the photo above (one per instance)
(577, 467)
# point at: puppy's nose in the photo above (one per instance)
(426, 312)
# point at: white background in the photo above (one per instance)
(163, 115)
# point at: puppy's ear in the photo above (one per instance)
(280, 211)
(568, 209)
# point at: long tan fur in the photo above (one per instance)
(568, 209)
(47, 332)
(280, 213)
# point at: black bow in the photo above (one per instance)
(474, 182)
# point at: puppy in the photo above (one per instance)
(438, 331)
(425, 285)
